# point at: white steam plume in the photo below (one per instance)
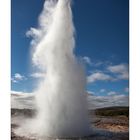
(61, 96)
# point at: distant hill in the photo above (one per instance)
(112, 111)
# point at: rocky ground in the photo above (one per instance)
(114, 119)
(108, 123)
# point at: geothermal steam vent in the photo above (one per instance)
(61, 96)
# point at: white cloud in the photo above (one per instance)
(103, 63)
(18, 77)
(13, 92)
(99, 63)
(37, 75)
(16, 92)
(107, 101)
(87, 60)
(99, 76)
(13, 80)
(32, 32)
(121, 70)
(114, 73)
(112, 93)
(90, 92)
(102, 90)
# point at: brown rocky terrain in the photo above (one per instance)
(108, 123)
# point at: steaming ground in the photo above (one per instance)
(105, 128)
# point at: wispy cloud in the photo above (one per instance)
(32, 32)
(102, 90)
(103, 63)
(112, 93)
(37, 75)
(87, 60)
(120, 70)
(18, 77)
(20, 93)
(106, 101)
(95, 63)
(99, 76)
(99, 63)
(110, 73)
(90, 92)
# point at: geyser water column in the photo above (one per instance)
(61, 96)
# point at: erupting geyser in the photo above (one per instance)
(61, 96)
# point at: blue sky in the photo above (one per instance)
(102, 41)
